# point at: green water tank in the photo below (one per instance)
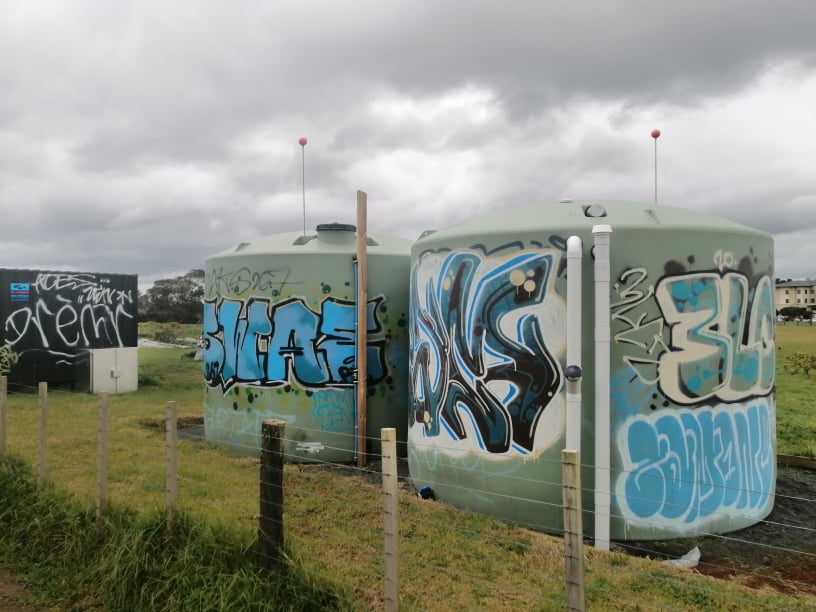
(691, 367)
(280, 318)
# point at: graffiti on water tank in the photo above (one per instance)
(334, 411)
(722, 343)
(481, 368)
(685, 465)
(699, 336)
(268, 343)
(692, 408)
(237, 282)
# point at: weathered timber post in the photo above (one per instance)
(573, 530)
(3, 412)
(390, 518)
(42, 455)
(171, 479)
(102, 457)
(270, 521)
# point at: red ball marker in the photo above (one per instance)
(303, 140)
(655, 135)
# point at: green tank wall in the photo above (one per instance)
(279, 329)
(692, 357)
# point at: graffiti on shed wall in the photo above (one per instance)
(7, 358)
(64, 311)
(263, 342)
(51, 322)
(486, 333)
(692, 409)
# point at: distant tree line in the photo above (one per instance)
(178, 300)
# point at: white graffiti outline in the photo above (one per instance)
(631, 296)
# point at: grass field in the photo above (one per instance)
(795, 392)
(449, 559)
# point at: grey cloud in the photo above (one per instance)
(146, 136)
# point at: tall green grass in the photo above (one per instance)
(135, 561)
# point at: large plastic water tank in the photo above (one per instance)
(279, 330)
(692, 358)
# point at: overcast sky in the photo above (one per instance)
(142, 137)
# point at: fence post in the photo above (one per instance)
(3, 411)
(270, 520)
(171, 480)
(390, 517)
(573, 530)
(42, 457)
(102, 458)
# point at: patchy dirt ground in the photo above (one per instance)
(13, 595)
(779, 552)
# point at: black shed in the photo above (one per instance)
(54, 322)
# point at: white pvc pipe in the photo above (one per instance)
(574, 303)
(601, 235)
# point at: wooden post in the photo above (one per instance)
(573, 530)
(3, 412)
(42, 463)
(171, 481)
(362, 324)
(390, 518)
(270, 520)
(102, 458)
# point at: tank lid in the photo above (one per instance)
(335, 233)
(336, 227)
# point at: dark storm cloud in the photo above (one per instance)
(145, 136)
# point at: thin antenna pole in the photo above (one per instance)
(302, 143)
(655, 136)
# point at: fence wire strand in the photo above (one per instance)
(353, 529)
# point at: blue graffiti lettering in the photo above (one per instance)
(255, 341)
(334, 410)
(682, 465)
(479, 362)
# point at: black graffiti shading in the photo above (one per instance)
(461, 323)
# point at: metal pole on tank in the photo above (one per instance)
(302, 143)
(362, 324)
(601, 235)
(655, 136)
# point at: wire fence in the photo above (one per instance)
(369, 531)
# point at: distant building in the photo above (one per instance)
(799, 293)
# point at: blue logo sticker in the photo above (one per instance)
(20, 291)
